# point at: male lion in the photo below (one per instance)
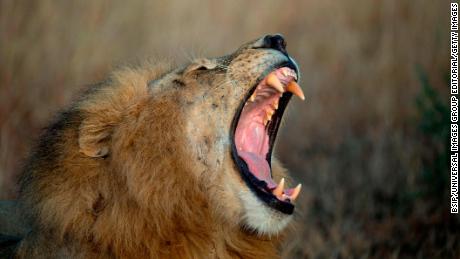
(166, 163)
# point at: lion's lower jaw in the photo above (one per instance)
(261, 218)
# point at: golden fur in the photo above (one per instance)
(140, 167)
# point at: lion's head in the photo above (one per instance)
(248, 91)
(171, 148)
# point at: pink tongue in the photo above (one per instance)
(258, 167)
(251, 136)
(251, 140)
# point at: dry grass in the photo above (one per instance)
(355, 143)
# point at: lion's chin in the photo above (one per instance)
(261, 218)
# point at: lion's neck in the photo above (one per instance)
(183, 227)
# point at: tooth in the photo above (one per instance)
(296, 192)
(267, 118)
(293, 74)
(294, 88)
(279, 189)
(270, 112)
(253, 97)
(284, 197)
(285, 73)
(274, 82)
(276, 104)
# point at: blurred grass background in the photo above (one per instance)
(370, 144)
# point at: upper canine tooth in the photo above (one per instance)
(253, 97)
(296, 192)
(294, 88)
(273, 81)
(285, 72)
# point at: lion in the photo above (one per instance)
(163, 162)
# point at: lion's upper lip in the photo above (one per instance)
(255, 128)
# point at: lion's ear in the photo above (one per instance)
(95, 136)
(200, 64)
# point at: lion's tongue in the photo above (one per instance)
(251, 140)
(259, 167)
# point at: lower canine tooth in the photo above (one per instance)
(279, 189)
(296, 192)
(253, 97)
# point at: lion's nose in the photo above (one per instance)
(275, 42)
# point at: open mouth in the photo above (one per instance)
(256, 127)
